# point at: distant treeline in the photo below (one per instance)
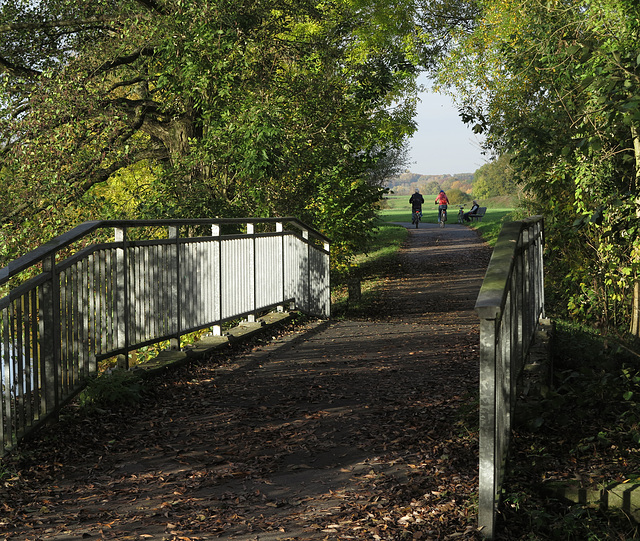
(407, 182)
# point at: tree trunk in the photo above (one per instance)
(174, 135)
(635, 317)
(635, 314)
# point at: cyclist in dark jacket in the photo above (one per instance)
(416, 202)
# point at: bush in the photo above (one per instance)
(111, 389)
(458, 197)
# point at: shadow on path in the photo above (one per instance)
(360, 429)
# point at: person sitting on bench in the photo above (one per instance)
(474, 209)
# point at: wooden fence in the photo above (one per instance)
(83, 298)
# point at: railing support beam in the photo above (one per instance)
(174, 273)
(49, 333)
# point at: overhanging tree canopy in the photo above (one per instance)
(267, 108)
(557, 86)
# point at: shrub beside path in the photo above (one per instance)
(342, 429)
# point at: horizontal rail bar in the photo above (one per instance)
(86, 228)
(493, 292)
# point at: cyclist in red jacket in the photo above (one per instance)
(442, 201)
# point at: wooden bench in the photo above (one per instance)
(477, 216)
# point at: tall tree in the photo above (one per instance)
(267, 108)
(494, 179)
(556, 85)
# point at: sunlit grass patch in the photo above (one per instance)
(491, 224)
(357, 290)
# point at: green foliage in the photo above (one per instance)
(112, 389)
(556, 520)
(494, 179)
(555, 86)
(583, 430)
(457, 196)
(202, 109)
(594, 379)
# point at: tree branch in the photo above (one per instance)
(123, 60)
(102, 174)
(129, 82)
(39, 25)
(17, 71)
(132, 105)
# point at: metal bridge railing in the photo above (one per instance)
(73, 302)
(510, 305)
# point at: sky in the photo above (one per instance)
(443, 144)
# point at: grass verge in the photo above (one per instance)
(354, 292)
(491, 225)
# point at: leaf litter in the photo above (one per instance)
(359, 429)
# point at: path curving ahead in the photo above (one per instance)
(347, 429)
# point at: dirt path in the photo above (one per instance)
(342, 430)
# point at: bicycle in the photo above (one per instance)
(416, 216)
(443, 217)
(461, 214)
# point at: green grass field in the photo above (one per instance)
(397, 209)
(370, 267)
